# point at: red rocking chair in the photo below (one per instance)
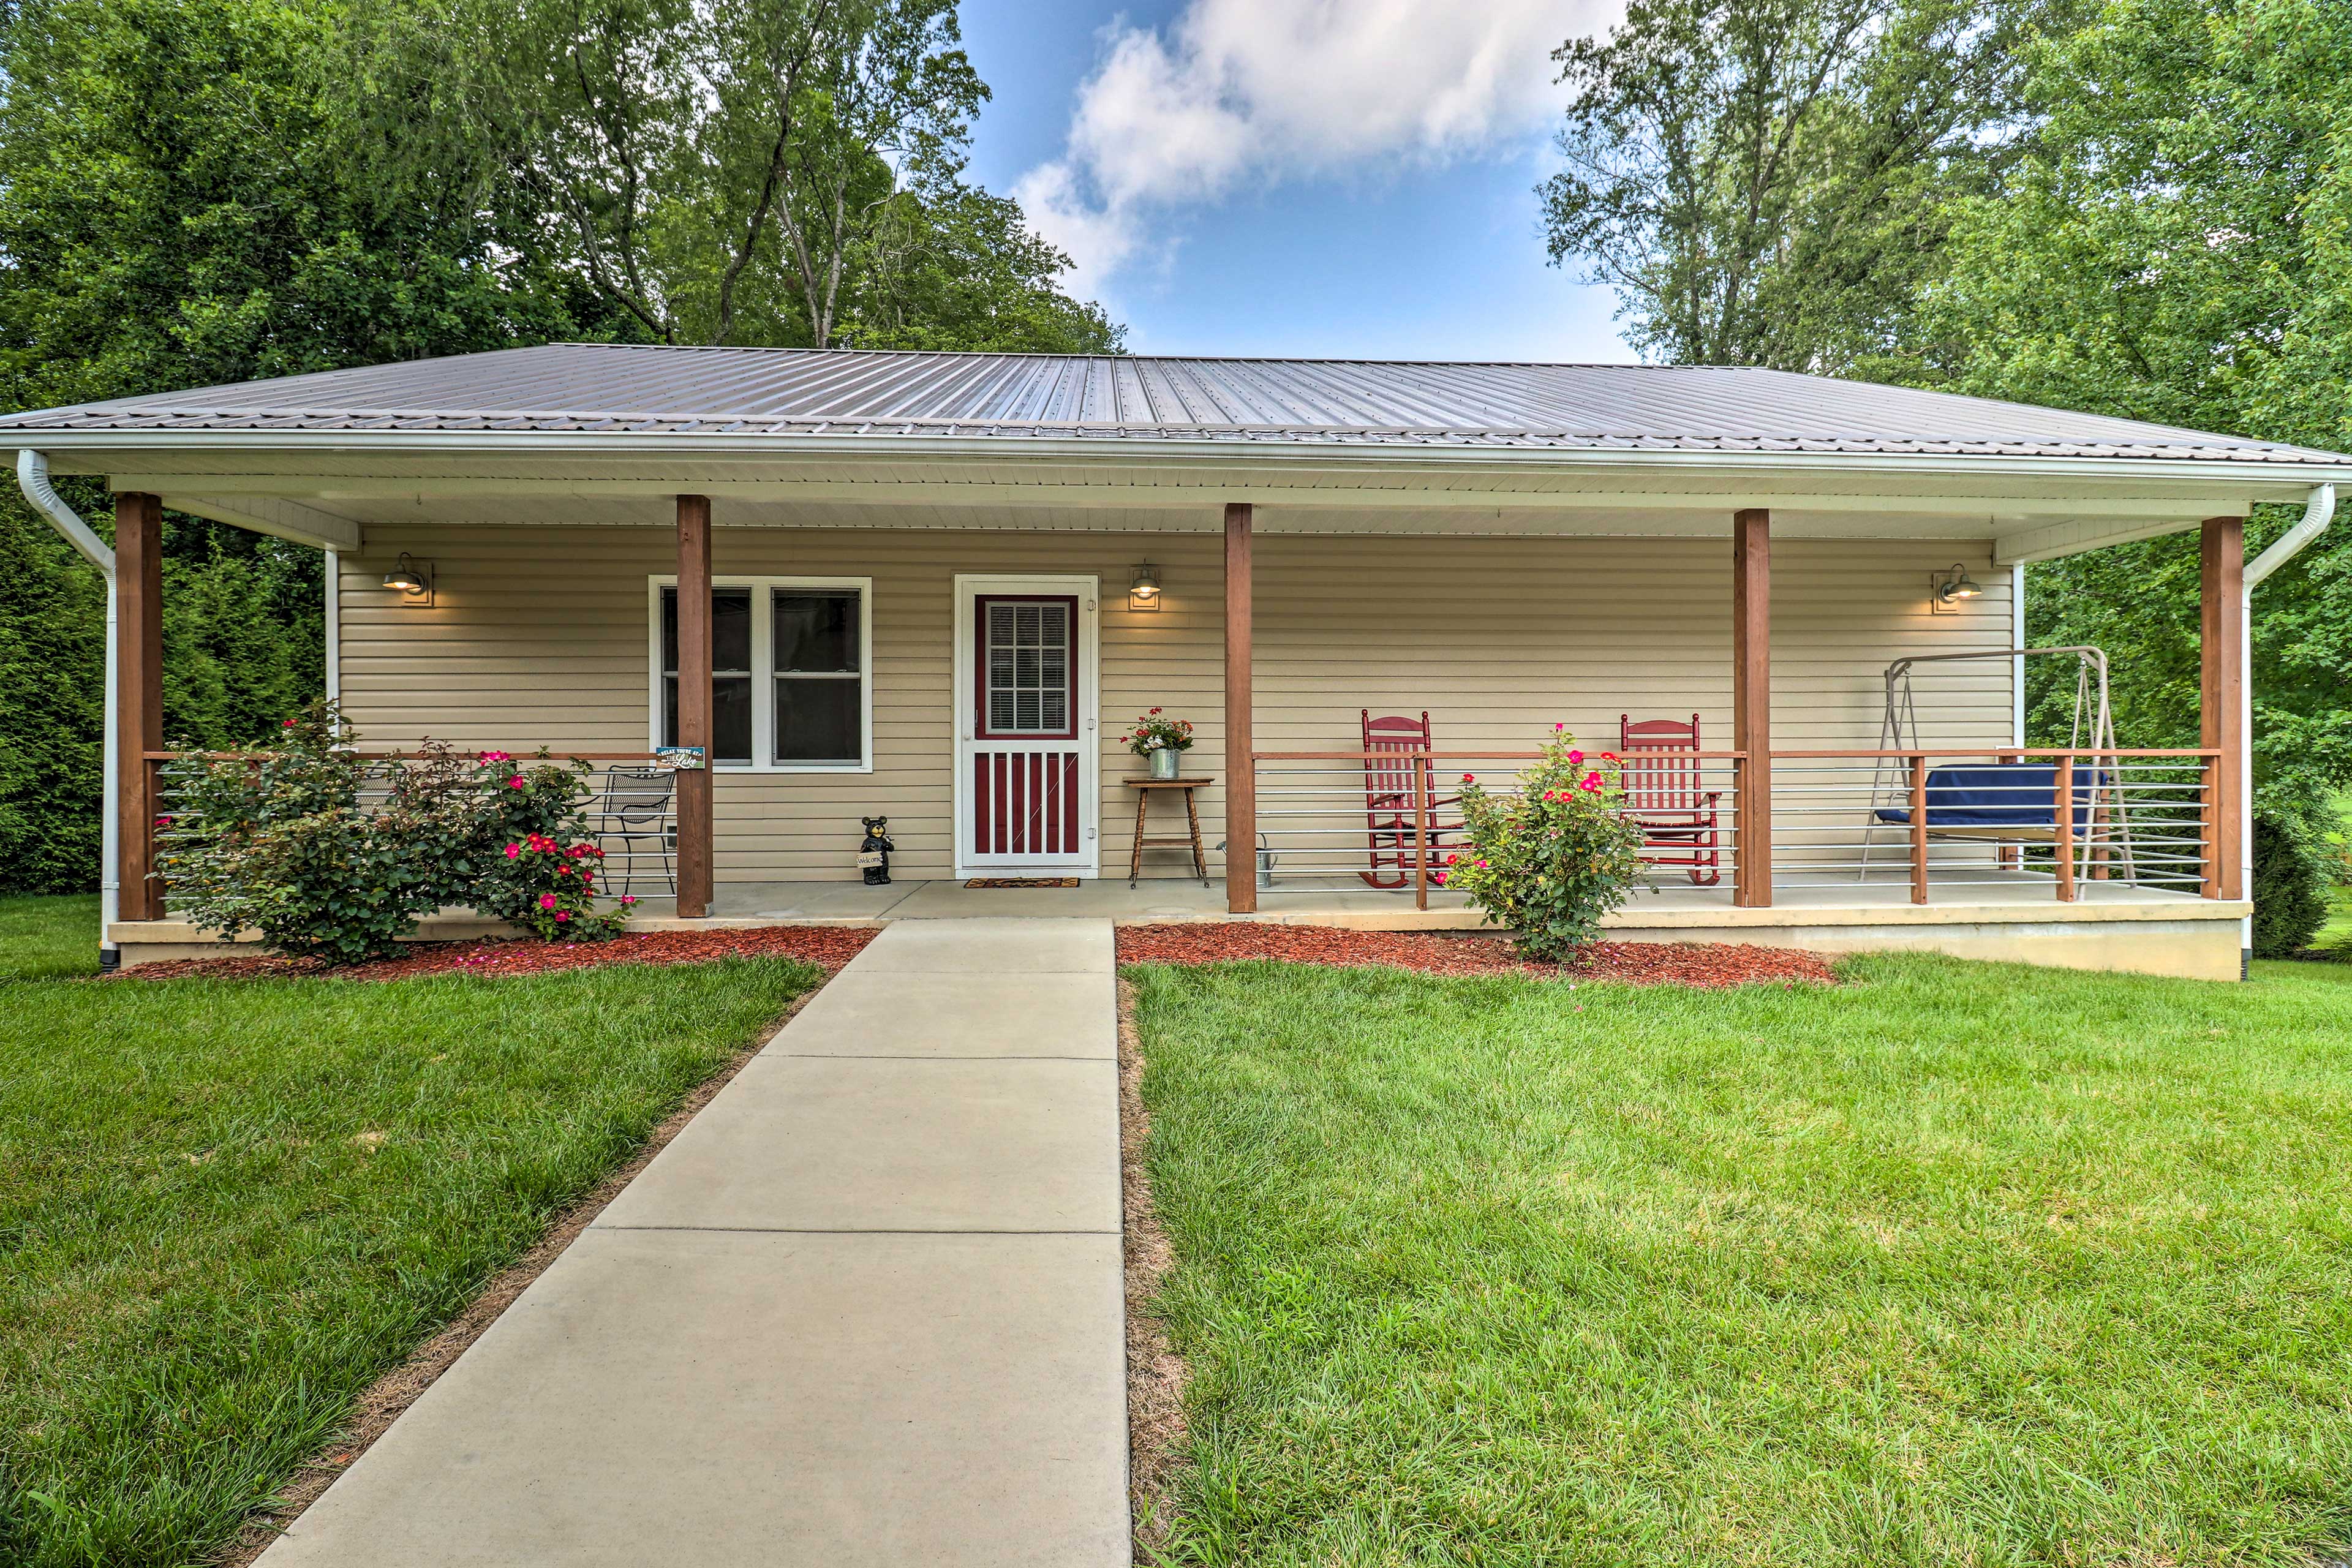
(1663, 797)
(1389, 745)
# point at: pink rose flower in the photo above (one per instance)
(1575, 759)
(1469, 778)
(1591, 781)
(564, 914)
(628, 899)
(513, 850)
(547, 900)
(517, 782)
(287, 725)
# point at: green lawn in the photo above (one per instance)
(226, 1206)
(1952, 1264)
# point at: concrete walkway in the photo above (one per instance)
(865, 1310)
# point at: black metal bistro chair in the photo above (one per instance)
(634, 820)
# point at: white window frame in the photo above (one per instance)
(763, 669)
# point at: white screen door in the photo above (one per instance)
(1026, 760)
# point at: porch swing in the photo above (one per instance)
(2011, 803)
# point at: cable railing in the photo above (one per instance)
(2043, 823)
(1340, 821)
(2057, 820)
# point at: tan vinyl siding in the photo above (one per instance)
(541, 635)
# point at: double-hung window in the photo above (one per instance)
(790, 673)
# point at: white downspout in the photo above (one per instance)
(2318, 511)
(33, 480)
(334, 602)
(2017, 666)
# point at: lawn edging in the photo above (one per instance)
(386, 1399)
(1156, 1374)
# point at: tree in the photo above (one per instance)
(2176, 245)
(718, 172)
(175, 210)
(1762, 181)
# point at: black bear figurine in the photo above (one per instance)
(874, 853)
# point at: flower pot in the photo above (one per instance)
(1165, 764)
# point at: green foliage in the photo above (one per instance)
(332, 856)
(2290, 890)
(1769, 181)
(197, 192)
(281, 842)
(1551, 859)
(787, 173)
(52, 668)
(2177, 245)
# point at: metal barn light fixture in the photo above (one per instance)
(1143, 591)
(1953, 587)
(410, 580)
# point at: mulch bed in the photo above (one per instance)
(1709, 964)
(828, 947)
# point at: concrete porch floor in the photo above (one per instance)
(2018, 896)
(2014, 916)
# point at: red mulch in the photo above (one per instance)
(828, 947)
(1627, 963)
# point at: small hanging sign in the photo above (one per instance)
(678, 759)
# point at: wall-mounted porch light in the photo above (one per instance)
(1952, 588)
(412, 582)
(1143, 592)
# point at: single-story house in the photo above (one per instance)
(939, 588)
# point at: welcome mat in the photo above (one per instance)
(1022, 883)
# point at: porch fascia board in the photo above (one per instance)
(1259, 455)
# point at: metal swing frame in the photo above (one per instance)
(1898, 730)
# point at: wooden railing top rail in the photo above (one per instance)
(2014, 751)
(1460, 756)
(529, 756)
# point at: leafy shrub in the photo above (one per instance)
(549, 886)
(1552, 860)
(279, 841)
(2290, 890)
(331, 855)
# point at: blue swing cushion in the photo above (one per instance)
(2002, 794)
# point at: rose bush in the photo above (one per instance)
(545, 884)
(1552, 858)
(281, 841)
(331, 855)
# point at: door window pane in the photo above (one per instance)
(1028, 668)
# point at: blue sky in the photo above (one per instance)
(1295, 176)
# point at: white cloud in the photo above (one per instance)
(1255, 91)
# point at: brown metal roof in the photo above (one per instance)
(585, 388)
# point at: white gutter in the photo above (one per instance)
(33, 480)
(2318, 510)
(334, 603)
(1427, 449)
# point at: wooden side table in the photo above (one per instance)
(1143, 788)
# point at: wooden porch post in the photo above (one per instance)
(2221, 701)
(1241, 772)
(694, 719)
(1752, 702)
(138, 695)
